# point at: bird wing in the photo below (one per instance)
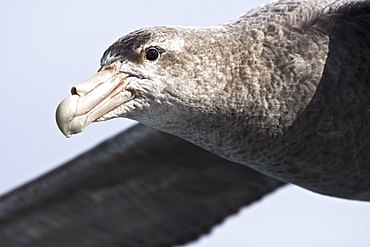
(140, 188)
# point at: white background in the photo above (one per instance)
(48, 46)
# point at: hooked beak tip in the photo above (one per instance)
(65, 117)
(93, 98)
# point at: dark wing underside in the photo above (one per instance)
(140, 188)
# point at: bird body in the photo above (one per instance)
(282, 89)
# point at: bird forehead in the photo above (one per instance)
(167, 43)
(139, 40)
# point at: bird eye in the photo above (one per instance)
(152, 54)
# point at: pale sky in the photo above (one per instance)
(48, 46)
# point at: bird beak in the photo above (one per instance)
(92, 99)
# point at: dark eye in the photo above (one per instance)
(152, 54)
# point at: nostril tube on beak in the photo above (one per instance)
(74, 91)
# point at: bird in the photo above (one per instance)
(148, 188)
(282, 89)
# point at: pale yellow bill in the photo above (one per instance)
(92, 99)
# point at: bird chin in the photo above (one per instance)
(122, 110)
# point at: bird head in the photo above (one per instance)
(159, 76)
